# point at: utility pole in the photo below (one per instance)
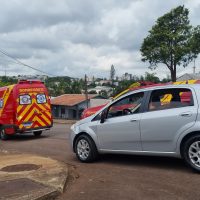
(194, 68)
(86, 91)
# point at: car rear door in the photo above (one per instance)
(168, 114)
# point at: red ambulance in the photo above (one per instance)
(24, 107)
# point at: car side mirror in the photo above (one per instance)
(103, 117)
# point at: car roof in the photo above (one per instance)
(160, 87)
(168, 87)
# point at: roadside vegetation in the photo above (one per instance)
(66, 85)
(4, 81)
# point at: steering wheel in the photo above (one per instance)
(127, 111)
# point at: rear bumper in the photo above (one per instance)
(28, 130)
(11, 129)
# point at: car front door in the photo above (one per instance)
(121, 131)
(169, 113)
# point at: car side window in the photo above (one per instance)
(170, 98)
(126, 106)
(97, 117)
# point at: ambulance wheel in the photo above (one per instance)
(37, 133)
(3, 134)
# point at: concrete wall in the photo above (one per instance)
(68, 112)
(64, 112)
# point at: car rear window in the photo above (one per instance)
(170, 98)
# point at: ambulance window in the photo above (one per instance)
(41, 98)
(25, 99)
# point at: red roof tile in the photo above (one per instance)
(70, 99)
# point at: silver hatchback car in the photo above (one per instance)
(162, 121)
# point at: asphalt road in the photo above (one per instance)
(113, 176)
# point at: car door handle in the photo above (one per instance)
(186, 114)
(133, 120)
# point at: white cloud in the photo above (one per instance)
(74, 37)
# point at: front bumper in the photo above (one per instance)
(72, 135)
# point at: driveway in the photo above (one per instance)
(113, 176)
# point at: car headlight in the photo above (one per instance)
(73, 127)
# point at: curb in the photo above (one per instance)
(48, 196)
(56, 121)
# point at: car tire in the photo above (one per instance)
(85, 149)
(191, 152)
(37, 133)
(3, 134)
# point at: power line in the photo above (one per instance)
(21, 63)
(7, 60)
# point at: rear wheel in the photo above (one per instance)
(191, 152)
(85, 149)
(37, 133)
(3, 134)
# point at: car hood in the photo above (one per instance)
(85, 120)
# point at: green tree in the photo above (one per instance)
(141, 78)
(172, 41)
(166, 80)
(122, 86)
(76, 87)
(151, 77)
(5, 81)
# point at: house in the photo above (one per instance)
(70, 106)
(105, 82)
(187, 76)
(99, 89)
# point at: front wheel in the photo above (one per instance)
(85, 149)
(3, 134)
(191, 152)
(37, 133)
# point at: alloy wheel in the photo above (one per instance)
(194, 153)
(83, 149)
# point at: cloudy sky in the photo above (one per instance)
(74, 37)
